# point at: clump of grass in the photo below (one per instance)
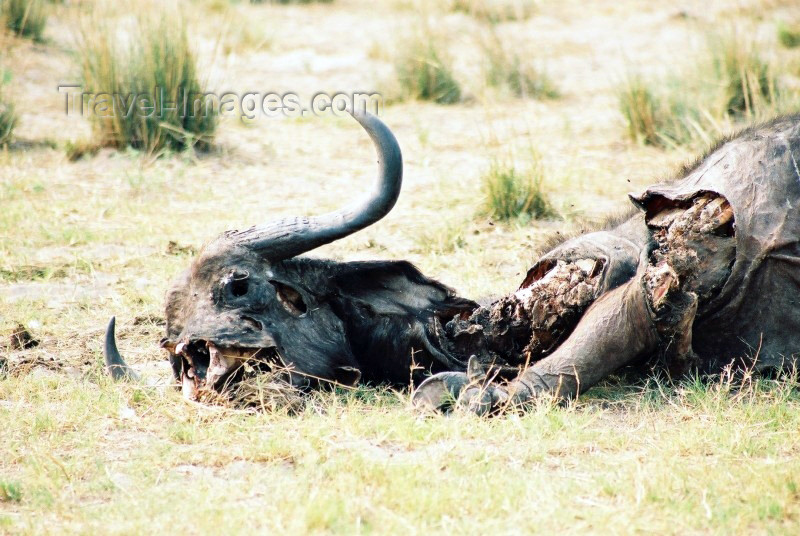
(8, 115)
(746, 78)
(512, 193)
(789, 35)
(508, 69)
(77, 149)
(159, 69)
(10, 492)
(26, 18)
(423, 71)
(695, 107)
(666, 114)
(640, 109)
(8, 120)
(495, 11)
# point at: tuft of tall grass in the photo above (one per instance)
(734, 82)
(512, 193)
(8, 120)
(789, 35)
(26, 18)
(666, 114)
(172, 109)
(640, 108)
(506, 68)
(10, 492)
(8, 115)
(423, 71)
(746, 78)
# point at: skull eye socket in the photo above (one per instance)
(239, 287)
(291, 300)
(237, 284)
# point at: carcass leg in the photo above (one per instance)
(516, 330)
(615, 330)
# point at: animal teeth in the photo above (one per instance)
(180, 347)
(188, 388)
(218, 364)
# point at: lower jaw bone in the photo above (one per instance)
(220, 364)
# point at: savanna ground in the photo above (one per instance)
(81, 241)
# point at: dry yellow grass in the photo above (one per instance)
(82, 241)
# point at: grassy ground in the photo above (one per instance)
(82, 241)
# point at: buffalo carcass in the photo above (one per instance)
(705, 270)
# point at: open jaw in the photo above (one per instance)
(204, 366)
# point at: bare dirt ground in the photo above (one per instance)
(81, 241)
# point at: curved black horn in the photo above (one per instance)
(116, 366)
(286, 238)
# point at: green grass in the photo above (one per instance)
(160, 67)
(748, 80)
(789, 35)
(735, 83)
(26, 18)
(667, 114)
(513, 193)
(641, 111)
(670, 459)
(10, 492)
(424, 72)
